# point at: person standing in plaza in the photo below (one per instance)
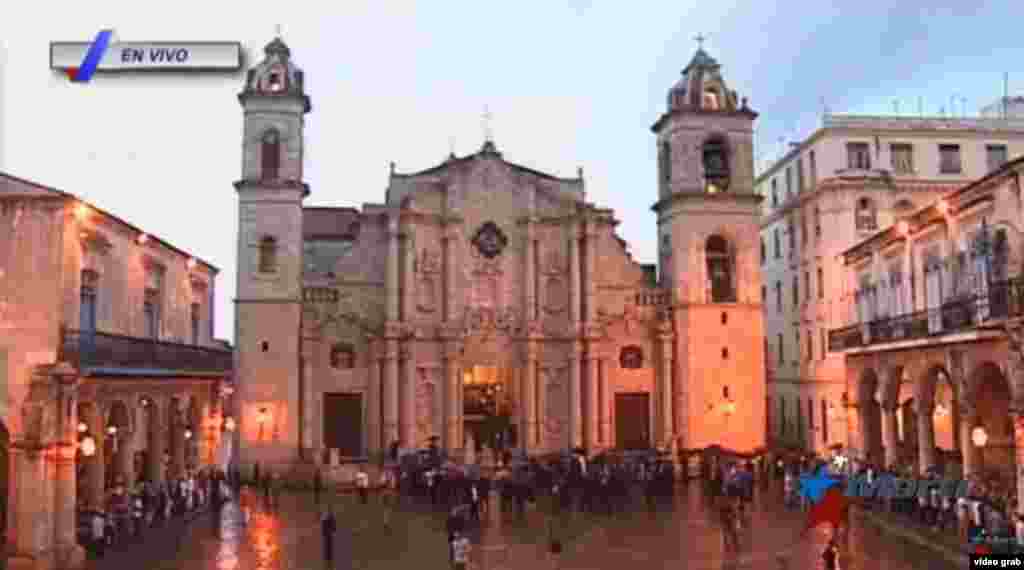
(830, 557)
(460, 548)
(328, 527)
(99, 540)
(362, 485)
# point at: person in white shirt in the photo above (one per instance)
(362, 486)
(460, 548)
(99, 525)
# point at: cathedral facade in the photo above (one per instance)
(488, 302)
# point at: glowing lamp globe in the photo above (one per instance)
(88, 446)
(979, 436)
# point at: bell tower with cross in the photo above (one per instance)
(271, 191)
(709, 249)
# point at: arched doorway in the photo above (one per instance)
(906, 421)
(117, 451)
(871, 418)
(488, 412)
(940, 394)
(992, 440)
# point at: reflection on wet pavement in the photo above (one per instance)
(287, 536)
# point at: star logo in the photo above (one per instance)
(814, 486)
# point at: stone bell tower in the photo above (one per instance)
(269, 296)
(708, 237)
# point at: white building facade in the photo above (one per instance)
(851, 177)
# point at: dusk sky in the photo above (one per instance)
(574, 84)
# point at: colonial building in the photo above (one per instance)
(106, 333)
(849, 178)
(481, 292)
(933, 349)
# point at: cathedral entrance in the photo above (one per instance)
(343, 423)
(487, 406)
(632, 420)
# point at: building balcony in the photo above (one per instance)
(653, 297)
(1003, 300)
(104, 353)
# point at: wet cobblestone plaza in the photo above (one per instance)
(681, 535)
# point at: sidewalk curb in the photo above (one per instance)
(949, 554)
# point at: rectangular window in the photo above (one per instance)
(902, 158)
(803, 230)
(824, 344)
(775, 192)
(807, 285)
(996, 156)
(796, 343)
(821, 283)
(782, 349)
(949, 159)
(196, 319)
(151, 314)
(791, 229)
(796, 291)
(764, 294)
(810, 346)
(777, 244)
(789, 182)
(778, 295)
(858, 156)
(814, 169)
(87, 299)
(824, 422)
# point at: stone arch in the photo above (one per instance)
(716, 158)
(870, 416)
(991, 396)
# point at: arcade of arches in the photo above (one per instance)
(951, 411)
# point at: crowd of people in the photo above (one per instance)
(128, 512)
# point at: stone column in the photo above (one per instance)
(604, 404)
(373, 406)
(450, 268)
(309, 411)
(1017, 415)
(968, 419)
(452, 387)
(890, 435)
(126, 457)
(177, 429)
(528, 393)
(391, 271)
(574, 277)
(390, 392)
(590, 413)
(41, 496)
(157, 442)
(408, 399)
(97, 465)
(575, 428)
(589, 285)
(542, 407)
(925, 435)
(530, 271)
(665, 385)
(407, 285)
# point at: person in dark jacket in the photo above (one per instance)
(328, 526)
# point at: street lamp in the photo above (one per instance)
(82, 427)
(112, 432)
(229, 424)
(188, 433)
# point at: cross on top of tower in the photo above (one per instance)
(700, 40)
(486, 124)
(277, 30)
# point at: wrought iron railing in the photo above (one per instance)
(88, 349)
(1004, 299)
(653, 297)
